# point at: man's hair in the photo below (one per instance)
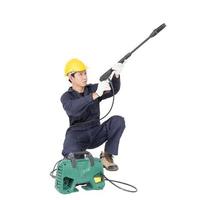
(73, 75)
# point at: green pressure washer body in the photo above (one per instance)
(86, 171)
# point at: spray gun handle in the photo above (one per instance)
(107, 74)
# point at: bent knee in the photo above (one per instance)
(118, 120)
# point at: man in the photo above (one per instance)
(81, 103)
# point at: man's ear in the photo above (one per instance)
(71, 77)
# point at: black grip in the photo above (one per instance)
(157, 30)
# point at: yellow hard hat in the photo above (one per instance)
(74, 65)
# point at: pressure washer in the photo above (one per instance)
(88, 171)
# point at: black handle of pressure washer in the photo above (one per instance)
(106, 75)
(71, 156)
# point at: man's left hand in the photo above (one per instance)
(117, 68)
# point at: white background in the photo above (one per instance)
(157, 98)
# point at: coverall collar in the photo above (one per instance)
(77, 93)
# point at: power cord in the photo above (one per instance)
(55, 169)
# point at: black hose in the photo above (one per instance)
(113, 183)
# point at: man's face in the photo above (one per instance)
(79, 79)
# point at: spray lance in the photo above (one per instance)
(107, 74)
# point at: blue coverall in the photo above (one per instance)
(85, 131)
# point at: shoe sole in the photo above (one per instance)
(111, 169)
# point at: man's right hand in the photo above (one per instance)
(102, 87)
